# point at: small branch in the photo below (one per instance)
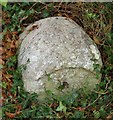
(32, 5)
(94, 101)
(101, 92)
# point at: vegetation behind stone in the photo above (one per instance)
(97, 21)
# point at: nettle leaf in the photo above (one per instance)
(61, 107)
(3, 2)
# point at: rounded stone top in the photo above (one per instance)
(58, 47)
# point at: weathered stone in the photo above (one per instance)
(58, 53)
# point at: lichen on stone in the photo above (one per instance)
(59, 48)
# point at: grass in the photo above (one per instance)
(96, 22)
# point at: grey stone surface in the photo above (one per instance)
(55, 51)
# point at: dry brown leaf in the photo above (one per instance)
(33, 27)
(9, 54)
(18, 112)
(18, 107)
(1, 50)
(17, 43)
(10, 115)
(1, 62)
(80, 108)
(8, 76)
(59, 14)
(12, 44)
(96, 40)
(1, 101)
(7, 45)
(109, 116)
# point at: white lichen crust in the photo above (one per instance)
(57, 47)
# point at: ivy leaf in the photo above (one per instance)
(45, 14)
(61, 107)
(3, 2)
(96, 114)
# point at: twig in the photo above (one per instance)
(24, 18)
(32, 6)
(94, 101)
(101, 93)
(107, 84)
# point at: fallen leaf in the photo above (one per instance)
(2, 62)
(59, 14)
(1, 50)
(53, 105)
(10, 115)
(9, 54)
(33, 27)
(17, 43)
(96, 40)
(18, 107)
(8, 76)
(15, 33)
(80, 108)
(12, 44)
(18, 112)
(110, 116)
(1, 102)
